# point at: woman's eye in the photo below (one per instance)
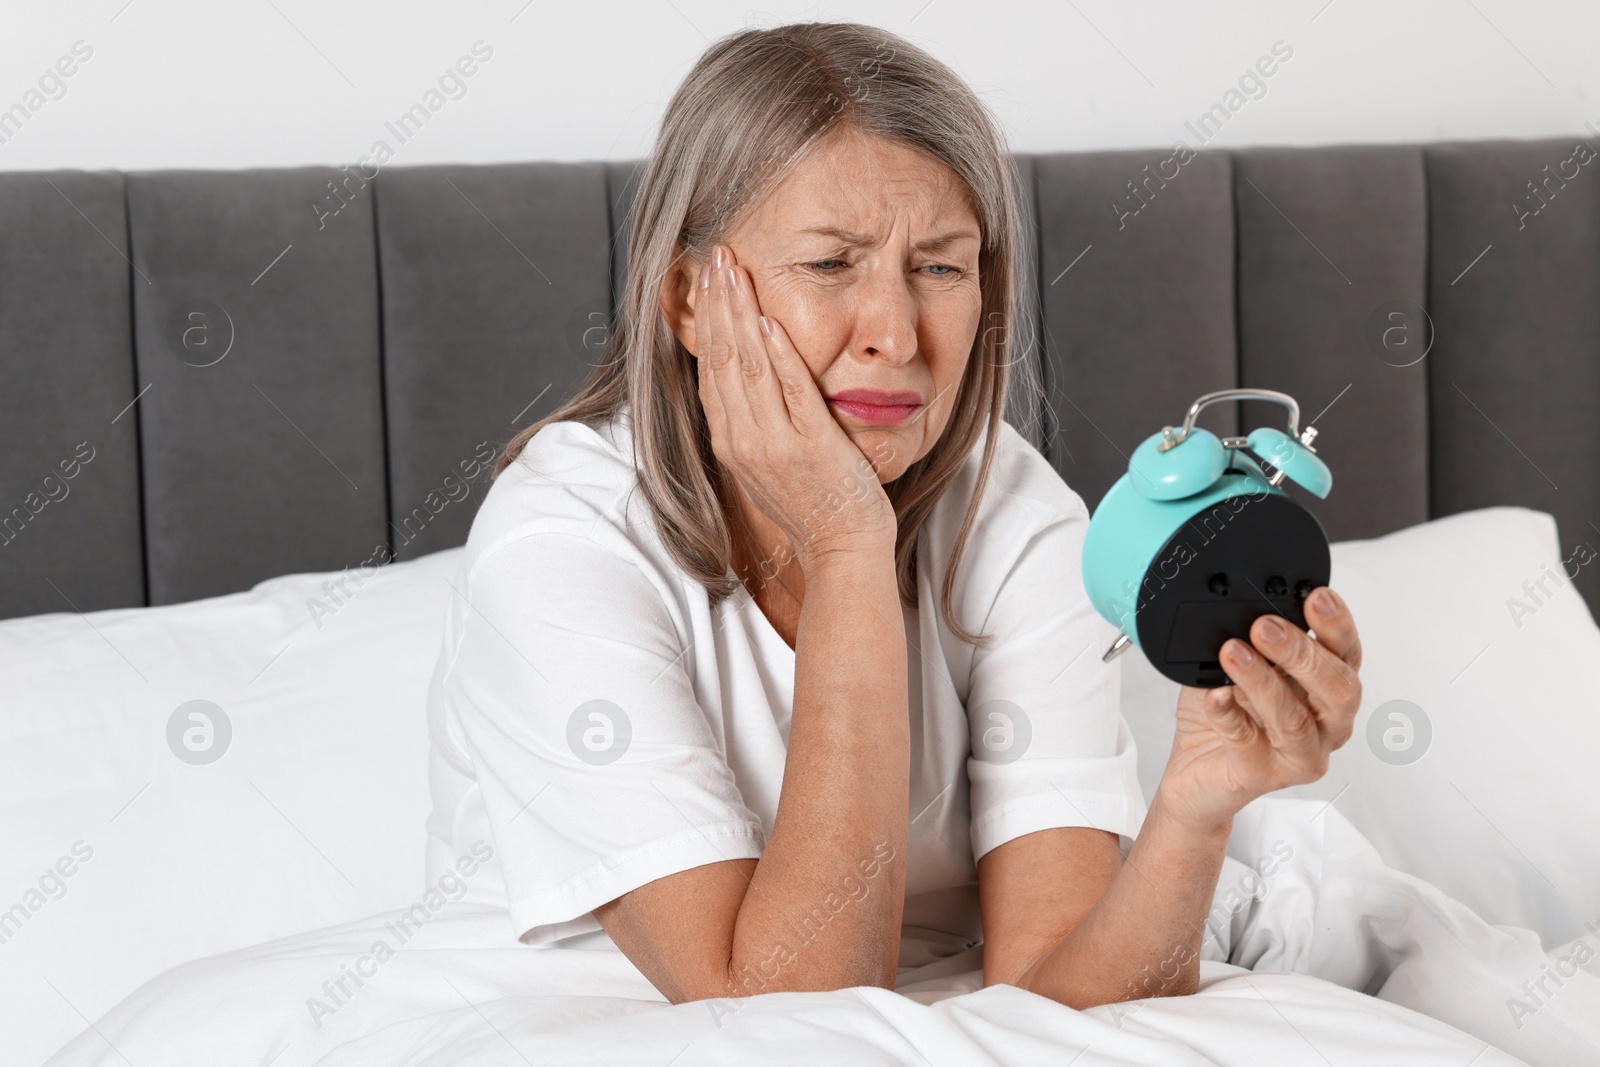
(833, 266)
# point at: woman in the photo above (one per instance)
(771, 658)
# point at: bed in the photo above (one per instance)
(259, 404)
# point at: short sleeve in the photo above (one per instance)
(1050, 747)
(570, 696)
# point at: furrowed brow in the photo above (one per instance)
(843, 236)
(945, 240)
(858, 240)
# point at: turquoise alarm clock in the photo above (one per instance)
(1198, 539)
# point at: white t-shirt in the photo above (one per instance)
(597, 723)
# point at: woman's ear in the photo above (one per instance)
(678, 294)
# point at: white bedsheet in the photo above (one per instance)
(1332, 926)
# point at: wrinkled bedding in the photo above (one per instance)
(1322, 956)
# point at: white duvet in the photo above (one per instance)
(1331, 958)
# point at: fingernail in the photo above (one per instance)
(705, 275)
(718, 258)
(733, 280)
(766, 326)
(1240, 652)
(1272, 631)
(1327, 603)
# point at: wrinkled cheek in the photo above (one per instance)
(966, 327)
(816, 326)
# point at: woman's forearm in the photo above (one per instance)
(1143, 937)
(824, 905)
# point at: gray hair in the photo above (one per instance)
(755, 103)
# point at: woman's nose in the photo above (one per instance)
(886, 317)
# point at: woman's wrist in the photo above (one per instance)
(854, 557)
(1196, 821)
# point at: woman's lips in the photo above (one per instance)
(876, 407)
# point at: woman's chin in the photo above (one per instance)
(883, 447)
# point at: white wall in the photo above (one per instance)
(242, 83)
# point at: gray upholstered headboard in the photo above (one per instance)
(373, 339)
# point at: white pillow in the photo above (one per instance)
(1501, 810)
(313, 815)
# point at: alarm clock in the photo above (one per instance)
(1198, 539)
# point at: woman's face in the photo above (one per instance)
(867, 254)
